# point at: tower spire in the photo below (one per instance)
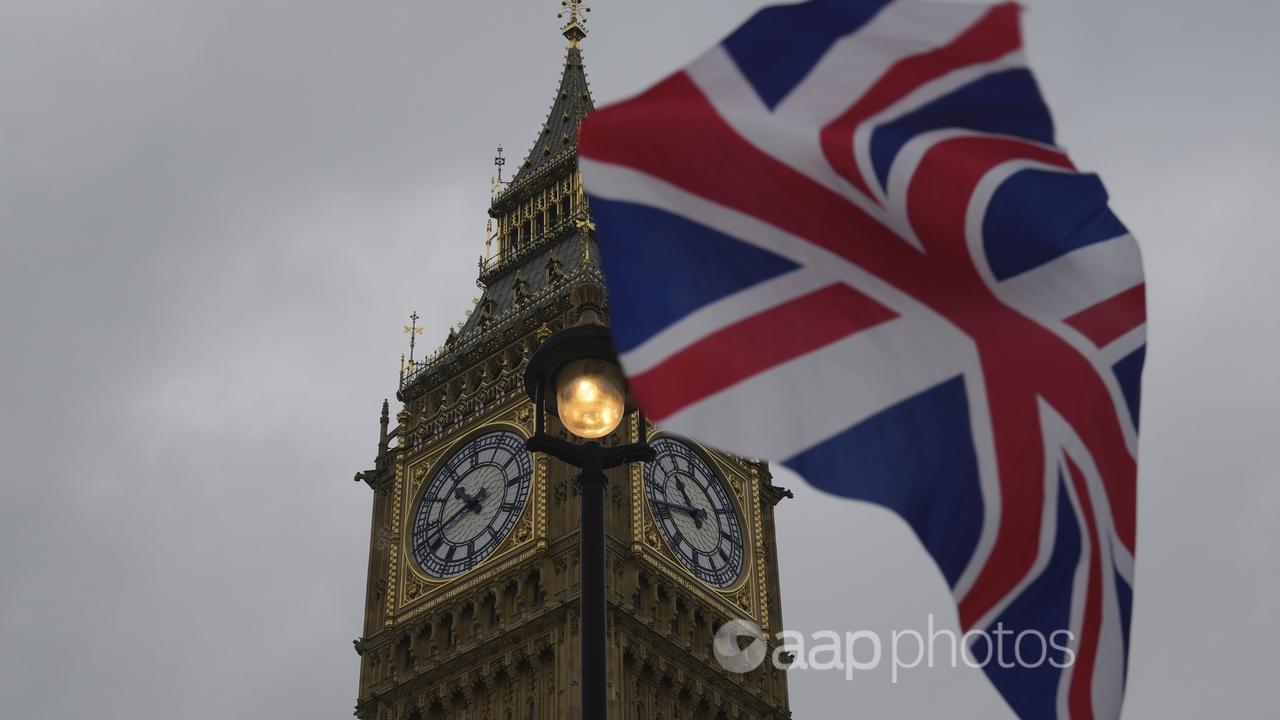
(576, 12)
(499, 161)
(572, 101)
(413, 330)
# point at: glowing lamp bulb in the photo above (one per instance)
(589, 397)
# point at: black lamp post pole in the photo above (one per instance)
(593, 460)
(594, 632)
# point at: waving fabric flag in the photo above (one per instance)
(844, 240)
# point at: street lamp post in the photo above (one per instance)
(578, 365)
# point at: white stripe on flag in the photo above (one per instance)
(858, 60)
(1123, 346)
(720, 314)
(1076, 281)
(838, 386)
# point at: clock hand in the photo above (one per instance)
(453, 517)
(475, 501)
(469, 502)
(680, 487)
(697, 521)
(698, 513)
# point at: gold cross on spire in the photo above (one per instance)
(576, 12)
(414, 328)
(413, 331)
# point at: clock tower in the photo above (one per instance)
(473, 582)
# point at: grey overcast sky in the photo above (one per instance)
(215, 216)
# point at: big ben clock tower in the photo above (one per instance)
(473, 584)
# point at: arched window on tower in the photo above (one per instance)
(404, 654)
(491, 609)
(444, 631)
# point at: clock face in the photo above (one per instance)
(695, 514)
(471, 503)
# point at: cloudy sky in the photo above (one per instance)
(215, 216)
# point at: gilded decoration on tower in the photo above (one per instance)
(575, 29)
(475, 605)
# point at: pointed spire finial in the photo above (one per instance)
(413, 330)
(576, 11)
(383, 423)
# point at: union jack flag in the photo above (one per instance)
(844, 240)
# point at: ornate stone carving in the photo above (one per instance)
(413, 589)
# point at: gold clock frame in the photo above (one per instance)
(749, 595)
(415, 591)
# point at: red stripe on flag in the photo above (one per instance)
(994, 35)
(1080, 694)
(755, 344)
(1105, 322)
